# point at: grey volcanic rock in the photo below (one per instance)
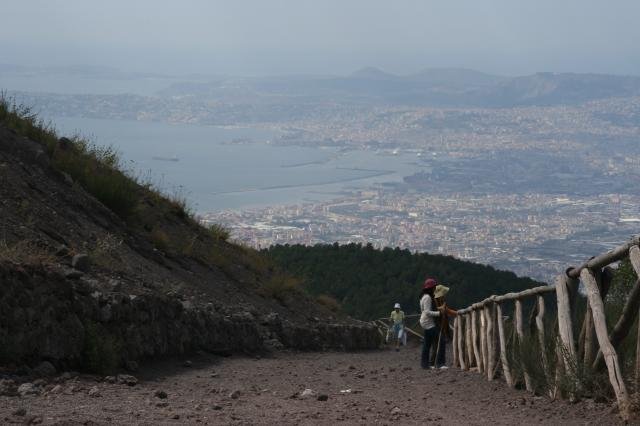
(81, 262)
(27, 389)
(126, 379)
(8, 387)
(44, 369)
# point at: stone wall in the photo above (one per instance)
(47, 316)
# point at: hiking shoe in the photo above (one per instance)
(443, 367)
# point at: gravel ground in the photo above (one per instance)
(378, 387)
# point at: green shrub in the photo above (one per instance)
(218, 232)
(328, 302)
(101, 351)
(26, 123)
(160, 239)
(26, 252)
(280, 285)
(96, 169)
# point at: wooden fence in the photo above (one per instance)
(480, 337)
(384, 326)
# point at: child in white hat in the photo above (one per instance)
(397, 324)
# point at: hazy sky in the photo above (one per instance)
(324, 36)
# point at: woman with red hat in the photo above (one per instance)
(427, 321)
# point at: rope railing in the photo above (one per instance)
(480, 339)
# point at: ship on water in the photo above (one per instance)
(161, 158)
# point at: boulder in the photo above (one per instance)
(27, 389)
(8, 387)
(307, 393)
(131, 366)
(44, 369)
(62, 251)
(81, 262)
(20, 412)
(73, 274)
(94, 392)
(126, 379)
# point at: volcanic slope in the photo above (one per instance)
(98, 270)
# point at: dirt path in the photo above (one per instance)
(382, 387)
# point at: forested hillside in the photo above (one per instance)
(367, 281)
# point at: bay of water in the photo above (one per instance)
(215, 174)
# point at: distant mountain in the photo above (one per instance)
(373, 73)
(560, 88)
(456, 76)
(435, 87)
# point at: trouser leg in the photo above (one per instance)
(426, 347)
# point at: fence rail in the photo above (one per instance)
(480, 338)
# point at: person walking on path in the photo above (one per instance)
(427, 322)
(444, 335)
(397, 324)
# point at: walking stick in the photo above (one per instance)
(438, 346)
(443, 324)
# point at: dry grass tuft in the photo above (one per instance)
(25, 252)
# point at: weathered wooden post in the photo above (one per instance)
(610, 355)
(503, 347)
(623, 325)
(483, 339)
(467, 337)
(603, 278)
(542, 341)
(520, 332)
(455, 362)
(491, 350)
(460, 337)
(474, 337)
(565, 291)
(634, 257)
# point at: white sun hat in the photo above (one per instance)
(396, 306)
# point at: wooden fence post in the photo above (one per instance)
(491, 350)
(455, 362)
(634, 257)
(609, 353)
(461, 348)
(520, 333)
(624, 324)
(483, 339)
(467, 337)
(591, 349)
(474, 337)
(542, 339)
(503, 347)
(565, 287)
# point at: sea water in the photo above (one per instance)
(219, 168)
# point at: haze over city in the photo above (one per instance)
(252, 37)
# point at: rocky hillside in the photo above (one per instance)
(98, 270)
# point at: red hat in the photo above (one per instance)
(429, 283)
